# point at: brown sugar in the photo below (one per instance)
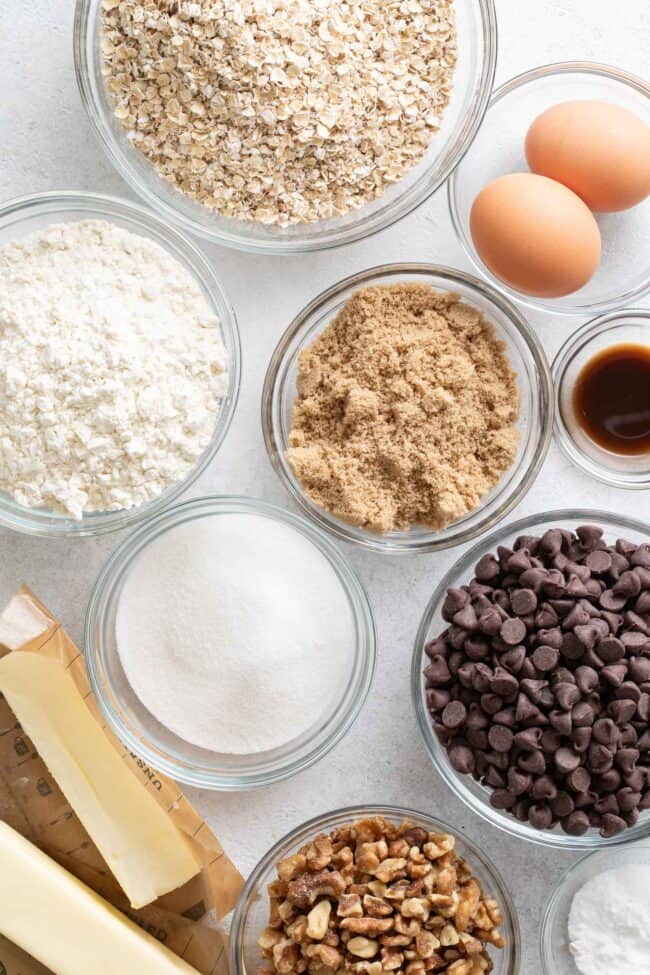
(406, 410)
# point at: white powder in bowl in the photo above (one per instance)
(609, 922)
(235, 632)
(112, 369)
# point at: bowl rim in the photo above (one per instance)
(324, 823)
(550, 907)
(436, 754)
(574, 344)
(275, 376)
(338, 722)
(392, 213)
(46, 523)
(556, 306)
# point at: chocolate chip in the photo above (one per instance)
(614, 674)
(518, 782)
(487, 569)
(566, 695)
(611, 825)
(610, 650)
(540, 816)
(512, 631)
(543, 788)
(608, 781)
(628, 585)
(579, 779)
(611, 601)
(622, 711)
(576, 824)
(454, 715)
(582, 714)
(455, 600)
(599, 562)
(606, 732)
(626, 758)
(545, 658)
(491, 703)
(566, 760)
(500, 738)
(627, 799)
(561, 721)
(599, 758)
(437, 672)
(524, 601)
(504, 684)
(530, 739)
(502, 799)
(581, 739)
(533, 762)
(461, 758)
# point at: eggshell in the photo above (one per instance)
(599, 150)
(535, 235)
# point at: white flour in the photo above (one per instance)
(609, 922)
(111, 369)
(235, 633)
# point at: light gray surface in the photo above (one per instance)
(47, 143)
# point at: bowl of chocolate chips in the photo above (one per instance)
(531, 679)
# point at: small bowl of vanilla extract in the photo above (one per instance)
(602, 398)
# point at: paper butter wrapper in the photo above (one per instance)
(32, 803)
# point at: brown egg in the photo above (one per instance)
(599, 150)
(535, 234)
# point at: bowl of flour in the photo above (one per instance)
(229, 643)
(119, 364)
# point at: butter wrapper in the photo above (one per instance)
(32, 803)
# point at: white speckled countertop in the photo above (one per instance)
(47, 143)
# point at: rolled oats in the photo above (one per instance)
(280, 111)
(340, 918)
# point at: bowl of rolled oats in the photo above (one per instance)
(281, 126)
(374, 889)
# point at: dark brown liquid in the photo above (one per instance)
(612, 399)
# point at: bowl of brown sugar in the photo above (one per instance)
(408, 408)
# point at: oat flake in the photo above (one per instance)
(280, 111)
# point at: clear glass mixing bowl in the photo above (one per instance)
(251, 913)
(137, 728)
(526, 357)
(31, 214)
(554, 935)
(624, 271)
(474, 795)
(477, 50)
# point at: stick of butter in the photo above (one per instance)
(67, 926)
(147, 854)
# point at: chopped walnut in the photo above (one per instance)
(350, 904)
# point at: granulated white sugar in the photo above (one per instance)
(235, 632)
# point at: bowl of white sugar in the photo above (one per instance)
(229, 643)
(119, 364)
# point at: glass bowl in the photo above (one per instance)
(554, 950)
(624, 272)
(30, 214)
(618, 470)
(136, 727)
(526, 356)
(474, 795)
(477, 49)
(251, 912)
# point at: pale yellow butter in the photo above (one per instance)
(65, 925)
(147, 854)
